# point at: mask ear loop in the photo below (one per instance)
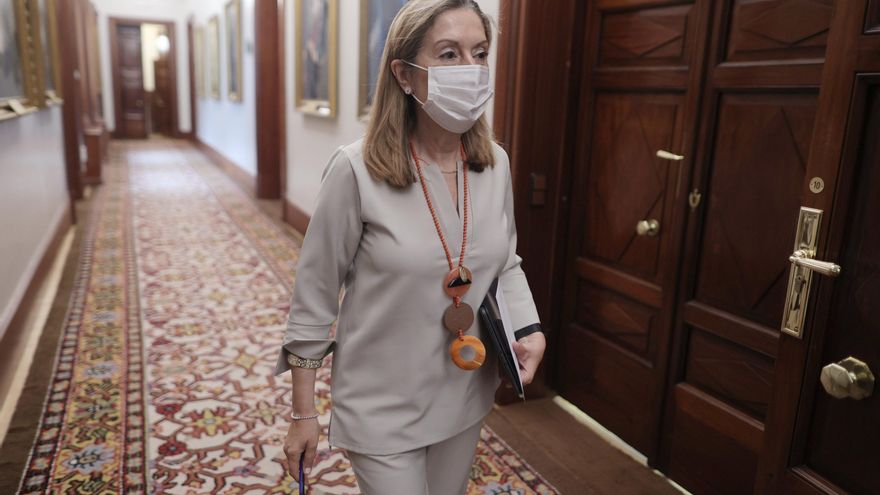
(409, 91)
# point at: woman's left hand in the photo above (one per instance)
(530, 351)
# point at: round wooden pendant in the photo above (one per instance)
(468, 352)
(457, 281)
(460, 318)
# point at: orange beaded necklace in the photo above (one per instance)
(459, 316)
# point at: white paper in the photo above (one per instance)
(508, 329)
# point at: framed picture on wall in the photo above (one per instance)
(233, 50)
(376, 17)
(19, 82)
(212, 42)
(316, 55)
(199, 59)
(51, 60)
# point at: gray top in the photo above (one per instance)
(394, 387)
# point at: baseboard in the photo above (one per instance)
(295, 217)
(14, 334)
(242, 177)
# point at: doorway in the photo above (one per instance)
(144, 78)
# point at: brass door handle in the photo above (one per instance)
(803, 258)
(668, 155)
(802, 268)
(848, 378)
(648, 228)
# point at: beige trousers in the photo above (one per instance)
(438, 469)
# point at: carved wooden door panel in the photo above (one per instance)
(639, 91)
(823, 431)
(132, 109)
(759, 106)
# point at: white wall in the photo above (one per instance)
(154, 10)
(33, 198)
(311, 140)
(230, 126)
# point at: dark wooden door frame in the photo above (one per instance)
(114, 67)
(72, 110)
(269, 73)
(193, 94)
(539, 160)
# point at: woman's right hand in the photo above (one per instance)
(302, 437)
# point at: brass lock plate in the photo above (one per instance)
(800, 277)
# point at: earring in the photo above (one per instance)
(407, 91)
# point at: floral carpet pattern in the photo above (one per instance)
(163, 381)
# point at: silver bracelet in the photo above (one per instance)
(294, 416)
(298, 362)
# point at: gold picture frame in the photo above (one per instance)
(199, 60)
(376, 17)
(232, 12)
(212, 42)
(22, 38)
(51, 54)
(316, 59)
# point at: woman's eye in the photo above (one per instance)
(448, 55)
(482, 55)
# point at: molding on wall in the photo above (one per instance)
(13, 336)
(295, 217)
(241, 176)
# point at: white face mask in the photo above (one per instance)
(457, 95)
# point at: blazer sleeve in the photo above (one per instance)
(329, 246)
(512, 280)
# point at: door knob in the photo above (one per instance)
(848, 378)
(648, 228)
(803, 259)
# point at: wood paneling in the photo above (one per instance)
(269, 108)
(644, 37)
(843, 434)
(714, 449)
(627, 182)
(758, 112)
(639, 93)
(777, 29)
(538, 58)
(617, 318)
(872, 19)
(752, 194)
(734, 374)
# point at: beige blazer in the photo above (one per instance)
(394, 387)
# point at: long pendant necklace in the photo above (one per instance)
(459, 316)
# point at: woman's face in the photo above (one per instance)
(456, 38)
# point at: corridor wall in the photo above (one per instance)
(310, 139)
(154, 10)
(229, 126)
(33, 200)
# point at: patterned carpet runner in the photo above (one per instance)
(163, 381)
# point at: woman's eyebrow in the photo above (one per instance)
(455, 42)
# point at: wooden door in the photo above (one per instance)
(160, 103)
(817, 443)
(128, 81)
(761, 91)
(639, 92)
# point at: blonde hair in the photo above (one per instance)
(393, 115)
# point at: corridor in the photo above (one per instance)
(178, 294)
(637, 238)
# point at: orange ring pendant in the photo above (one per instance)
(472, 342)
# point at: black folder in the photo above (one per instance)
(493, 313)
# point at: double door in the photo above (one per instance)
(705, 127)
